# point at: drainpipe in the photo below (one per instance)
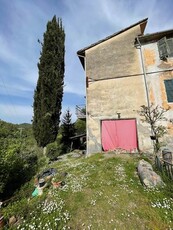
(145, 79)
(144, 72)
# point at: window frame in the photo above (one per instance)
(169, 89)
(165, 47)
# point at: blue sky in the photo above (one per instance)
(23, 22)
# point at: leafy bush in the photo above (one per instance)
(18, 160)
(153, 115)
(15, 169)
(51, 151)
(55, 149)
(80, 126)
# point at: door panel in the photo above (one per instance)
(119, 134)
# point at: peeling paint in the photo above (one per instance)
(149, 57)
(170, 128)
(166, 64)
(151, 95)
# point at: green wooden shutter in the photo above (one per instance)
(170, 45)
(169, 89)
(163, 48)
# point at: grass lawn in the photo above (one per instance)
(100, 192)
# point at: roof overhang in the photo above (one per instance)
(81, 53)
(148, 38)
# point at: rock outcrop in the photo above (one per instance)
(147, 176)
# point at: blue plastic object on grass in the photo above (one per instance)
(35, 192)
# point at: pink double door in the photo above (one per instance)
(119, 134)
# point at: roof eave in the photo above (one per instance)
(155, 36)
(82, 58)
(142, 24)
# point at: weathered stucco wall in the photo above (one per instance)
(106, 98)
(118, 60)
(115, 57)
(157, 71)
(116, 84)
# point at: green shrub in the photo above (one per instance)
(15, 169)
(52, 151)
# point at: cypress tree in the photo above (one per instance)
(49, 90)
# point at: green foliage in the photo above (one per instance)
(9, 163)
(49, 90)
(152, 115)
(51, 150)
(21, 207)
(54, 150)
(18, 157)
(67, 131)
(80, 126)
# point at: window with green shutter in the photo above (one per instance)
(169, 89)
(165, 47)
(170, 45)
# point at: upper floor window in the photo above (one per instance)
(169, 89)
(165, 46)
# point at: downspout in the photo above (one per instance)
(144, 72)
(145, 80)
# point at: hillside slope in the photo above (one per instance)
(99, 193)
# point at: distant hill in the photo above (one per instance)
(14, 130)
(25, 125)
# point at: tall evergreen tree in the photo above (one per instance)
(49, 91)
(67, 130)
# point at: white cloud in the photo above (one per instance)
(76, 89)
(16, 113)
(6, 53)
(16, 90)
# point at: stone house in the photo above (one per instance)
(124, 71)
